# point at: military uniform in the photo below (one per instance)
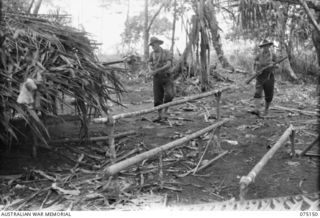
(163, 88)
(265, 81)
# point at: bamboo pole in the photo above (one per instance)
(292, 136)
(309, 146)
(246, 180)
(181, 101)
(211, 161)
(217, 141)
(310, 113)
(115, 168)
(110, 128)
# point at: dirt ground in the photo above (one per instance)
(246, 138)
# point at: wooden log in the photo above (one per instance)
(246, 180)
(92, 139)
(311, 113)
(181, 101)
(114, 169)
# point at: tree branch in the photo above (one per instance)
(314, 4)
(313, 21)
(154, 16)
(311, 3)
(30, 6)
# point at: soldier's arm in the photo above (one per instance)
(149, 64)
(168, 64)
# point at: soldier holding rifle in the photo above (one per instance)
(159, 64)
(264, 64)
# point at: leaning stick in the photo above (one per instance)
(146, 111)
(115, 168)
(246, 180)
(211, 161)
(313, 21)
(309, 146)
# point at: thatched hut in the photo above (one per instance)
(62, 58)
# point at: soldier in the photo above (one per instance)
(159, 63)
(265, 81)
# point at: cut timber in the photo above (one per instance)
(310, 146)
(246, 180)
(311, 113)
(181, 101)
(92, 139)
(114, 169)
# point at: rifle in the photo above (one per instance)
(266, 67)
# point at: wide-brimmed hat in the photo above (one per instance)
(265, 43)
(155, 40)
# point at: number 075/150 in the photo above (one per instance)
(308, 213)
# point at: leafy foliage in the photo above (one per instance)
(133, 31)
(63, 57)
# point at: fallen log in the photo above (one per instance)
(246, 180)
(116, 168)
(177, 102)
(310, 113)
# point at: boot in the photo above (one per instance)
(266, 109)
(256, 110)
(165, 113)
(160, 116)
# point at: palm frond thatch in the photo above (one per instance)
(63, 57)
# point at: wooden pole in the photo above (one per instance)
(310, 113)
(115, 168)
(217, 141)
(181, 101)
(110, 128)
(310, 146)
(292, 136)
(246, 180)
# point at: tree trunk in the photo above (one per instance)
(203, 61)
(192, 38)
(210, 16)
(2, 26)
(316, 42)
(204, 45)
(37, 7)
(173, 26)
(282, 24)
(30, 7)
(146, 32)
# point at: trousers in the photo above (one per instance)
(163, 88)
(265, 84)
